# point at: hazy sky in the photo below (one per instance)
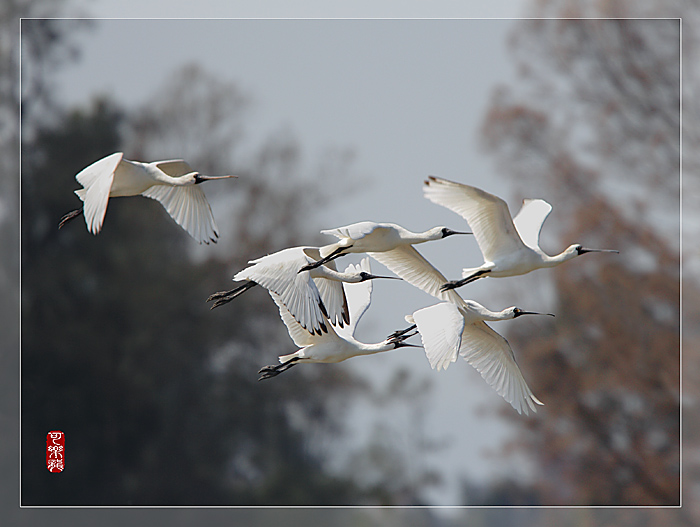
(408, 96)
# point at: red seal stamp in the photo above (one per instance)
(55, 451)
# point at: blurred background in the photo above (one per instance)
(328, 122)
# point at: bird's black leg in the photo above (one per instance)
(69, 216)
(224, 297)
(401, 332)
(454, 284)
(268, 372)
(335, 254)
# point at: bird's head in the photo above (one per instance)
(516, 312)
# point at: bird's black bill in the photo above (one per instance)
(374, 277)
(449, 232)
(518, 313)
(199, 178)
(583, 250)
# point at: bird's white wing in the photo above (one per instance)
(487, 215)
(279, 273)
(359, 296)
(331, 291)
(299, 335)
(407, 263)
(97, 182)
(355, 231)
(529, 221)
(491, 355)
(174, 167)
(440, 327)
(189, 207)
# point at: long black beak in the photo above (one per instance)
(374, 276)
(583, 250)
(517, 314)
(449, 232)
(199, 178)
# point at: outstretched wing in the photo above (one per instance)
(529, 221)
(189, 207)
(355, 231)
(440, 327)
(96, 180)
(359, 296)
(174, 167)
(331, 291)
(407, 263)
(279, 273)
(487, 215)
(491, 355)
(299, 335)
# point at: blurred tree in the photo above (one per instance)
(593, 126)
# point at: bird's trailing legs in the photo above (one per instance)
(267, 372)
(69, 216)
(402, 332)
(224, 297)
(397, 338)
(454, 284)
(335, 254)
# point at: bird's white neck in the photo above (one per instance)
(552, 261)
(326, 272)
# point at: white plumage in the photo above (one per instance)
(334, 345)
(509, 246)
(172, 183)
(449, 330)
(372, 238)
(310, 296)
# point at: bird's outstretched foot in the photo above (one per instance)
(69, 216)
(311, 266)
(267, 372)
(335, 254)
(453, 284)
(224, 297)
(401, 333)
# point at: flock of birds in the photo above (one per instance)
(321, 306)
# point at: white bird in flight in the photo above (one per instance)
(456, 327)
(450, 329)
(172, 183)
(335, 345)
(310, 296)
(510, 247)
(374, 238)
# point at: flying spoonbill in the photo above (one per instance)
(172, 183)
(311, 296)
(449, 329)
(510, 247)
(370, 237)
(335, 345)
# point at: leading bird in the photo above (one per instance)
(173, 183)
(510, 246)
